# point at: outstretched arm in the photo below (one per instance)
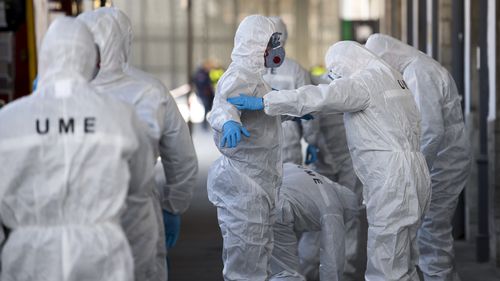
(343, 95)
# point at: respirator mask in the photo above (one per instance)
(275, 53)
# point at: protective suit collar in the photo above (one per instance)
(67, 52)
(348, 57)
(110, 40)
(396, 53)
(250, 42)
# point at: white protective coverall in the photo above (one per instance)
(445, 145)
(383, 132)
(327, 133)
(178, 158)
(243, 182)
(308, 201)
(290, 75)
(68, 157)
(141, 226)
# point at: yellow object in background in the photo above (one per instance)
(318, 70)
(215, 74)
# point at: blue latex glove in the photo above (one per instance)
(244, 102)
(231, 134)
(311, 154)
(172, 224)
(304, 117)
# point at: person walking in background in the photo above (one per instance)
(203, 86)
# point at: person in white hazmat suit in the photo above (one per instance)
(327, 133)
(308, 201)
(141, 225)
(383, 133)
(68, 156)
(288, 76)
(243, 182)
(445, 145)
(178, 160)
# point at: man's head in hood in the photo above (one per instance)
(109, 39)
(396, 53)
(125, 26)
(251, 41)
(67, 50)
(345, 58)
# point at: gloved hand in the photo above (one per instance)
(245, 102)
(172, 224)
(231, 134)
(304, 117)
(311, 154)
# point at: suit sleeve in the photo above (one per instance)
(343, 95)
(179, 161)
(230, 85)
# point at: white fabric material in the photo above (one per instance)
(308, 201)
(178, 158)
(141, 225)
(64, 186)
(445, 145)
(327, 132)
(290, 75)
(242, 183)
(383, 133)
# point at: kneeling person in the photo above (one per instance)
(308, 201)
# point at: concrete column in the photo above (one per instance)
(302, 39)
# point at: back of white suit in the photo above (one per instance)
(68, 158)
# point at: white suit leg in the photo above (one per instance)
(435, 235)
(285, 259)
(248, 242)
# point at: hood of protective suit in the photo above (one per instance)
(280, 27)
(109, 39)
(396, 53)
(125, 27)
(345, 58)
(67, 50)
(250, 42)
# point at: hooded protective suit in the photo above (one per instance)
(141, 225)
(178, 158)
(290, 75)
(242, 183)
(445, 145)
(308, 201)
(327, 132)
(68, 156)
(383, 132)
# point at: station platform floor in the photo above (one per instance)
(197, 255)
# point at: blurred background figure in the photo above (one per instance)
(203, 86)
